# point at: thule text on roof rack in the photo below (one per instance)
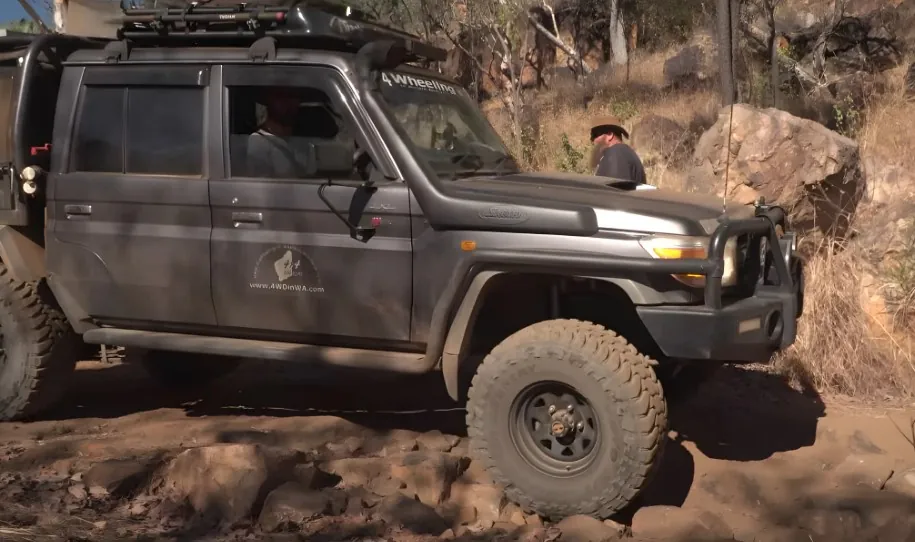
(300, 23)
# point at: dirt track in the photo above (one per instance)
(772, 463)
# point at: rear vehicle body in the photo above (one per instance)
(406, 239)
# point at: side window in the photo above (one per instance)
(97, 142)
(140, 130)
(165, 131)
(288, 132)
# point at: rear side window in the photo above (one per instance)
(146, 130)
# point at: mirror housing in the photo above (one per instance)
(333, 159)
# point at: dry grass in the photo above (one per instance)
(844, 345)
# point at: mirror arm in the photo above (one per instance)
(360, 233)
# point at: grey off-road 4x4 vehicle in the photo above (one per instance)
(285, 183)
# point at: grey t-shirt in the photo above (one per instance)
(621, 162)
(278, 157)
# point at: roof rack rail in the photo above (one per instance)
(303, 21)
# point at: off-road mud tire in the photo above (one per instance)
(39, 349)
(611, 375)
(181, 370)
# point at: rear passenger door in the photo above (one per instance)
(128, 213)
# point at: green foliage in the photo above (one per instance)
(22, 25)
(624, 108)
(571, 158)
(848, 118)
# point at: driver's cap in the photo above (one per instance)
(606, 125)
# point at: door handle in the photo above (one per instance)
(247, 220)
(76, 211)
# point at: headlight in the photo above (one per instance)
(681, 247)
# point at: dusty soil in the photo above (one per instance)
(748, 459)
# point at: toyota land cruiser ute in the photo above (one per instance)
(286, 183)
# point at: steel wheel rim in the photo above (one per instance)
(557, 441)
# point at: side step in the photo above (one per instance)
(400, 362)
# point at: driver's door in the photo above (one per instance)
(284, 266)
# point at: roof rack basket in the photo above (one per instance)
(300, 22)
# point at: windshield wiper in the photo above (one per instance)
(461, 159)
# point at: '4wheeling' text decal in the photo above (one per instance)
(417, 83)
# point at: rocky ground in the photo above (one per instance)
(277, 453)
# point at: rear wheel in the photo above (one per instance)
(38, 349)
(568, 417)
(181, 370)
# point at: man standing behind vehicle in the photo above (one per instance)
(610, 156)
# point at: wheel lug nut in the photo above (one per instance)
(552, 409)
(569, 408)
(580, 426)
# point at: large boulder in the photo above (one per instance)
(222, 482)
(803, 166)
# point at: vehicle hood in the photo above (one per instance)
(618, 205)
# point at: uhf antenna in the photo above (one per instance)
(727, 24)
(727, 163)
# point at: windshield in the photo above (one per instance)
(445, 126)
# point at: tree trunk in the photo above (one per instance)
(617, 35)
(726, 53)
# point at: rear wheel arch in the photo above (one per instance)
(23, 258)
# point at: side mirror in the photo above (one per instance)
(334, 159)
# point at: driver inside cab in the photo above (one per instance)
(272, 150)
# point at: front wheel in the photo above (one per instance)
(568, 417)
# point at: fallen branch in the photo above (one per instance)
(557, 42)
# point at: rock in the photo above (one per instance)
(513, 514)
(436, 441)
(887, 182)
(902, 483)
(399, 447)
(687, 66)
(222, 480)
(119, 477)
(348, 447)
(656, 137)
(371, 473)
(869, 471)
(412, 515)
(476, 503)
(98, 492)
(425, 475)
(475, 473)
(292, 503)
(859, 443)
(831, 524)
(530, 533)
(585, 529)
(803, 166)
(783, 534)
(900, 528)
(671, 522)
(78, 491)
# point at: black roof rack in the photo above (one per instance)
(303, 21)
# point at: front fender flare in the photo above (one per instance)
(458, 339)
